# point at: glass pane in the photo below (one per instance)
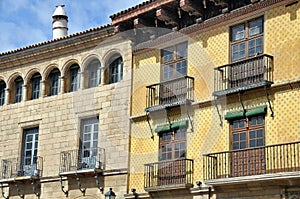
(169, 147)
(260, 133)
(235, 124)
(238, 32)
(255, 27)
(177, 154)
(253, 121)
(177, 146)
(242, 123)
(243, 145)
(29, 138)
(163, 149)
(29, 145)
(252, 143)
(252, 134)
(260, 120)
(182, 50)
(243, 136)
(235, 137)
(169, 156)
(167, 55)
(260, 142)
(86, 137)
(235, 145)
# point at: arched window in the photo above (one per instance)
(116, 70)
(74, 77)
(18, 89)
(35, 84)
(54, 78)
(93, 73)
(2, 92)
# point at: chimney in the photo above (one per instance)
(60, 22)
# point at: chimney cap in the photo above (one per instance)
(59, 11)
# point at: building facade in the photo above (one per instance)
(205, 105)
(220, 83)
(64, 116)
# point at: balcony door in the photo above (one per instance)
(247, 135)
(29, 160)
(174, 66)
(89, 148)
(172, 149)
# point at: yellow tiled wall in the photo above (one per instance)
(205, 52)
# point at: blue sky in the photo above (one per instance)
(26, 22)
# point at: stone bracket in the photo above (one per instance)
(241, 101)
(148, 120)
(97, 183)
(19, 191)
(3, 193)
(269, 102)
(66, 192)
(79, 185)
(218, 111)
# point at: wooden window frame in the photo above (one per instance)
(116, 70)
(247, 129)
(54, 77)
(247, 38)
(174, 61)
(18, 90)
(94, 68)
(172, 141)
(74, 73)
(36, 86)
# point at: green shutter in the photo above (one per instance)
(166, 127)
(256, 111)
(177, 125)
(234, 115)
(163, 128)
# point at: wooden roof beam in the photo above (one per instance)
(223, 3)
(141, 23)
(169, 17)
(191, 7)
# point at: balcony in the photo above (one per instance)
(166, 175)
(281, 161)
(243, 75)
(78, 161)
(170, 93)
(16, 169)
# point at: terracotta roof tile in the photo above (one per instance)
(55, 40)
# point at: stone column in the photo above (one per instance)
(25, 94)
(7, 96)
(102, 75)
(43, 88)
(62, 85)
(82, 80)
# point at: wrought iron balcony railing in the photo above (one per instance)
(243, 75)
(168, 173)
(74, 160)
(170, 93)
(253, 161)
(17, 167)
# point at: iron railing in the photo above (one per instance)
(166, 173)
(253, 161)
(74, 160)
(245, 74)
(15, 167)
(175, 91)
